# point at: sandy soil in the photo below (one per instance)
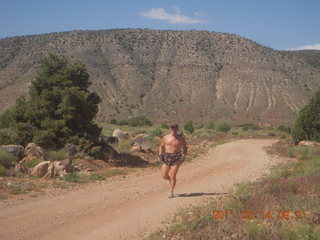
(132, 207)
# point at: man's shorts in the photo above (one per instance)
(171, 159)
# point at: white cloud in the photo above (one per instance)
(200, 14)
(311, 47)
(176, 18)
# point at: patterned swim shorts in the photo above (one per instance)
(171, 159)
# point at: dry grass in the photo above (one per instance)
(282, 205)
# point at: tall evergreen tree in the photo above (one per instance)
(59, 107)
(307, 126)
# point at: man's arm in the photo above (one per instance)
(184, 147)
(162, 147)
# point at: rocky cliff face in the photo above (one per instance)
(171, 75)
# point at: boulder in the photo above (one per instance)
(34, 150)
(19, 168)
(140, 138)
(71, 149)
(136, 148)
(59, 168)
(28, 158)
(108, 139)
(16, 150)
(120, 134)
(108, 151)
(41, 169)
(50, 171)
(309, 144)
(63, 166)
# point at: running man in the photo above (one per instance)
(171, 156)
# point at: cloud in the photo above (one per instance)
(200, 14)
(310, 47)
(175, 18)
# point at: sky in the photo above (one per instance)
(278, 24)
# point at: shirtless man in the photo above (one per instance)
(171, 155)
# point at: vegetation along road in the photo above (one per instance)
(132, 207)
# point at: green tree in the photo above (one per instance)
(307, 126)
(60, 107)
(5, 119)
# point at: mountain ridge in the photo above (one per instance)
(171, 75)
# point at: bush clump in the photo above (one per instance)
(7, 159)
(210, 125)
(284, 129)
(8, 136)
(224, 126)
(139, 121)
(122, 122)
(156, 133)
(164, 125)
(6, 118)
(113, 121)
(307, 126)
(2, 170)
(189, 127)
(57, 155)
(32, 163)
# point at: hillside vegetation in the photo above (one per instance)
(165, 75)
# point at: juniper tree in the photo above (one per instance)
(307, 126)
(59, 107)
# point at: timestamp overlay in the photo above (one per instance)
(264, 214)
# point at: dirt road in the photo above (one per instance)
(131, 207)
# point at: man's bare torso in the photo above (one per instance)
(173, 144)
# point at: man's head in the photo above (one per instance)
(174, 128)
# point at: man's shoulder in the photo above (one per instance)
(165, 136)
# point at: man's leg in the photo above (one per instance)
(165, 172)
(172, 174)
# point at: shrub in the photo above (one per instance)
(122, 122)
(8, 136)
(224, 126)
(96, 176)
(189, 126)
(6, 119)
(157, 132)
(210, 125)
(254, 231)
(164, 125)
(307, 126)
(57, 155)
(14, 189)
(199, 126)
(254, 127)
(32, 163)
(7, 159)
(204, 134)
(72, 177)
(2, 170)
(113, 121)
(125, 146)
(139, 121)
(283, 128)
